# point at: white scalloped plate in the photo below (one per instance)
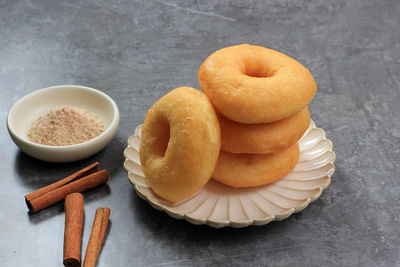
(219, 205)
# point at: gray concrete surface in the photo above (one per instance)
(136, 51)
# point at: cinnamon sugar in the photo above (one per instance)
(65, 126)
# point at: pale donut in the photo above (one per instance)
(246, 170)
(263, 138)
(180, 143)
(252, 84)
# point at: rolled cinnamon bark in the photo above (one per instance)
(74, 213)
(78, 182)
(99, 228)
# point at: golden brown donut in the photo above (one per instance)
(252, 84)
(263, 138)
(180, 143)
(246, 170)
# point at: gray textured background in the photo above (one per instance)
(137, 51)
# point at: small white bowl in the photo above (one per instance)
(26, 110)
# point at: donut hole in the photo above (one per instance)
(257, 68)
(259, 73)
(162, 135)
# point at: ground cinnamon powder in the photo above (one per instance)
(65, 126)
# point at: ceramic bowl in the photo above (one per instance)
(219, 205)
(27, 109)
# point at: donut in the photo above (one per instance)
(263, 138)
(252, 84)
(247, 170)
(180, 143)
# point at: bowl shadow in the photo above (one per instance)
(34, 173)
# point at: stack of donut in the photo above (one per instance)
(261, 98)
(242, 131)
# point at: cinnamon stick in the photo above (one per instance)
(99, 228)
(78, 182)
(74, 214)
